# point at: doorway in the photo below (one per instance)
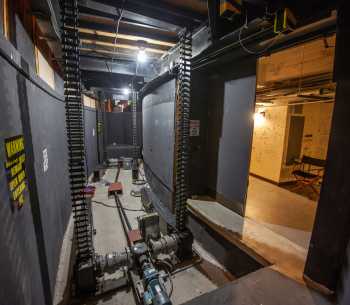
(292, 122)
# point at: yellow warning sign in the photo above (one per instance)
(15, 169)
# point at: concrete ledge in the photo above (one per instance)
(262, 244)
(64, 273)
(264, 286)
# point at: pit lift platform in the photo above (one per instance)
(140, 258)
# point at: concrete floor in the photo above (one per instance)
(188, 284)
(284, 212)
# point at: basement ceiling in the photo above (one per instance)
(112, 32)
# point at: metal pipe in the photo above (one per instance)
(313, 27)
(295, 104)
(261, 40)
(125, 217)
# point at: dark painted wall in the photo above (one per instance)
(90, 140)
(223, 98)
(47, 119)
(31, 237)
(118, 128)
(20, 277)
(330, 237)
(199, 111)
(344, 289)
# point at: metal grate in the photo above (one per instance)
(182, 129)
(75, 129)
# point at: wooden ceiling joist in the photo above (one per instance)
(132, 54)
(121, 46)
(126, 37)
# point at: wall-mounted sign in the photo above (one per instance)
(15, 169)
(195, 126)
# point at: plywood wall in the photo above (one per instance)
(309, 59)
(89, 102)
(268, 144)
(44, 69)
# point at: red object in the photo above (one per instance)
(89, 191)
(115, 188)
(134, 236)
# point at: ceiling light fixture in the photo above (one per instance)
(259, 118)
(126, 91)
(142, 56)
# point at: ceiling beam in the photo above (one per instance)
(124, 43)
(100, 64)
(160, 10)
(108, 26)
(118, 45)
(122, 38)
(111, 52)
(91, 51)
(98, 9)
(109, 80)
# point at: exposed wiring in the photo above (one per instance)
(171, 285)
(253, 52)
(104, 204)
(133, 210)
(165, 263)
(114, 207)
(186, 267)
(117, 24)
(168, 270)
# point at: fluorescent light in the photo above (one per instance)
(126, 91)
(141, 56)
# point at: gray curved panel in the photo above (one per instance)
(158, 113)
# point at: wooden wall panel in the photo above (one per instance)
(310, 59)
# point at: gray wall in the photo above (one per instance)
(47, 120)
(228, 130)
(118, 128)
(91, 154)
(158, 111)
(229, 166)
(31, 237)
(20, 277)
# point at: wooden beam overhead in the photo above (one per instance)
(106, 51)
(108, 25)
(122, 46)
(127, 37)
